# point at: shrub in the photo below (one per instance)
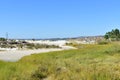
(103, 42)
(40, 74)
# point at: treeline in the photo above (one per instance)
(113, 35)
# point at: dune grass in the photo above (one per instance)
(88, 62)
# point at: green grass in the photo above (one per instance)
(88, 62)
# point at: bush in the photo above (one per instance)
(40, 74)
(103, 42)
(38, 46)
(2, 39)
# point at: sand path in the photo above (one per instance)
(15, 55)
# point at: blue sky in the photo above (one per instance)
(58, 18)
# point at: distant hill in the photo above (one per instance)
(54, 39)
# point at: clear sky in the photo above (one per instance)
(58, 18)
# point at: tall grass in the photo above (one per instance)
(91, 62)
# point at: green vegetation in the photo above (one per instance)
(103, 42)
(88, 62)
(2, 39)
(38, 46)
(23, 45)
(114, 35)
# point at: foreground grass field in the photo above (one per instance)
(89, 62)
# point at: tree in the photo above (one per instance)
(106, 36)
(113, 35)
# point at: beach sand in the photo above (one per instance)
(15, 55)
